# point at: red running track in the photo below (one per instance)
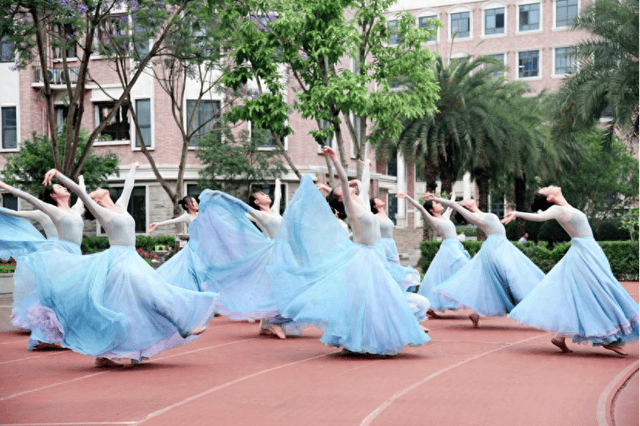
(502, 373)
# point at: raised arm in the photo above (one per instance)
(184, 218)
(26, 214)
(277, 195)
(468, 215)
(123, 201)
(344, 182)
(49, 209)
(101, 213)
(251, 213)
(425, 213)
(79, 205)
(365, 186)
(553, 212)
(449, 210)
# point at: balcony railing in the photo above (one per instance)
(56, 76)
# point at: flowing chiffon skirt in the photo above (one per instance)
(185, 269)
(581, 299)
(25, 293)
(342, 286)
(497, 278)
(405, 277)
(451, 257)
(237, 255)
(18, 237)
(114, 305)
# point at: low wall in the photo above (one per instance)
(6, 283)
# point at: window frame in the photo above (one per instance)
(504, 62)
(540, 15)
(2, 128)
(194, 138)
(554, 74)
(493, 6)
(96, 115)
(134, 136)
(146, 208)
(432, 14)
(455, 11)
(555, 16)
(285, 141)
(517, 59)
(12, 59)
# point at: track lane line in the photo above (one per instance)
(603, 409)
(33, 357)
(224, 385)
(375, 413)
(26, 392)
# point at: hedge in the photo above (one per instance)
(92, 245)
(623, 255)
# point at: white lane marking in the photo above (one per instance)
(14, 341)
(68, 424)
(375, 413)
(601, 409)
(33, 357)
(224, 385)
(25, 392)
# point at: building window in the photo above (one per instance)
(118, 128)
(392, 165)
(9, 201)
(137, 206)
(357, 128)
(392, 205)
(394, 37)
(64, 34)
(460, 25)
(564, 62)
(6, 51)
(528, 64)
(497, 206)
(426, 23)
(529, 17)
(9, 128)
(143, 115)
(494, 21)
(142, 43)
(500, 58)
(327, 125)
(193, 190)
(267, 141)
(202, 117)
(566, 12)
(112, 35)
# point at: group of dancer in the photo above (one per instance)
(305, 267)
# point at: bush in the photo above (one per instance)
(7, 269)
(623, 255)
(611, 230)
(91, 244)
(553, 233)
(469, 231)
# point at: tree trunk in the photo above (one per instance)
(520, 185)
(482, 180)
(430, 176)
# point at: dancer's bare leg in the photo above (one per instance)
(475, 319)
(616, 349)
(560, 343)
(197, 331)
(105, 363)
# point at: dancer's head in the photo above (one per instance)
(259, 200)
(545, 197)
(101, 196)
(55, 194)
(377, 205)
(189, 204)
(335, 202)
(469, 204)
(433, 207)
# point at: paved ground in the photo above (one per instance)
(500, 374)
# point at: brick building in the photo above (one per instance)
(531, 37)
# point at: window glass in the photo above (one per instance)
(529, 17)
(425, 22)
(566, 12)
(9, 201)
(460, 25)
(395, 37)
(118, 127)
(137, 206)
(204, 119)
(9, 128)
(528, 64)
(143, 114)
(494, 21)
(564, 63)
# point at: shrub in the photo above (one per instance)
(7, 268)
(611, 230)
(91, 244)
(469, 231)
(623, 255)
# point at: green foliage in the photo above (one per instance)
(7, 269)
(231, 163)
(630, 222)
(611, 230)
(26, 168)
(94, 244)
(623, 255)
(469, 231)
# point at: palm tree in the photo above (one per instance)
(608, 74)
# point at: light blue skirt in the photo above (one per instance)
(342, 286)
(450, 258)
(405, 277)
(114, 305)
(581, 299)
(185, 269)
(497, 278)
(25, 293)
(18, 237)
(237, 255)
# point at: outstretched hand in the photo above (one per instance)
(49, 176)
(323, 188)
(508, 217)
(5, 186)
(428, 196)
(401, 195)
(354, 183)
(329, 152)
(134, 165)
(153, 226)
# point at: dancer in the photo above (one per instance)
(237, 255)
(450, 257)
(185, 268)
(579, 298)
(113, 304)
(341, 285)
(63, 225)
(498, 277)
